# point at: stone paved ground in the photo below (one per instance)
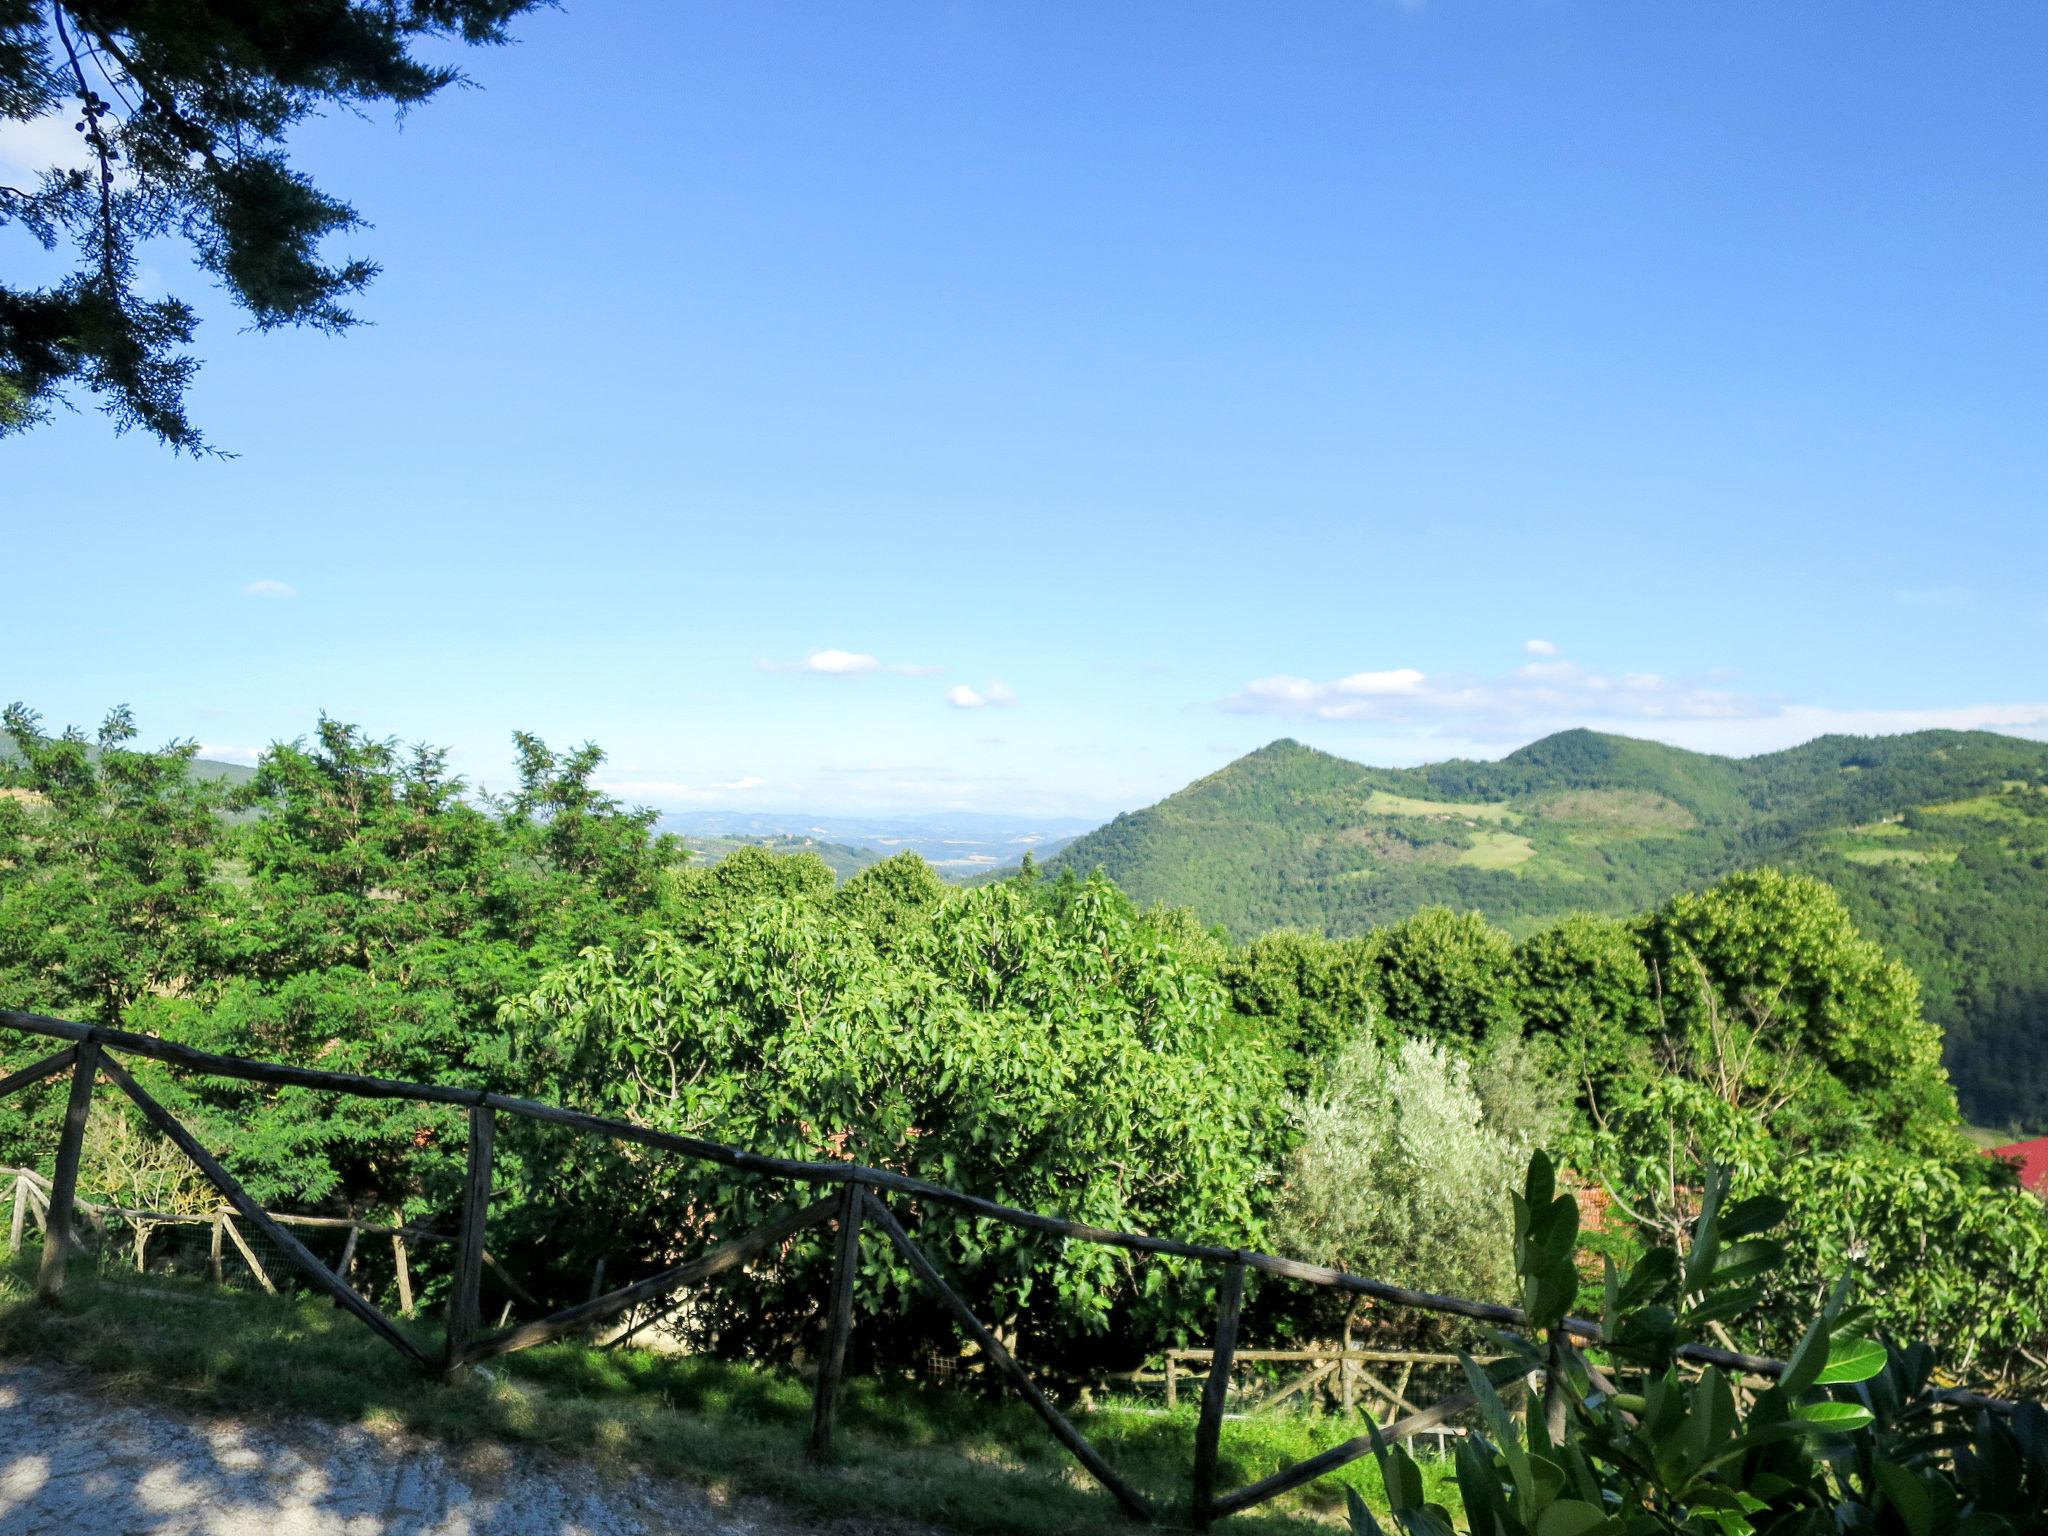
(73, 1460)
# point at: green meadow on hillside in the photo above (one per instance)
(1938, 841)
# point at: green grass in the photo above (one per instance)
(1383, 802)
(1899, 856)
(915, 1453)
(1615, 812)
(1497, 850)
(2004, 807)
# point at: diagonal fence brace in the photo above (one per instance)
(246, 1207)
(49, 1066)
(741, 1250)
(1006, 1365)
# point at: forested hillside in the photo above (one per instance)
(1938, 842)
(1364, 1101)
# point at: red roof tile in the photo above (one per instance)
(2031, 1158)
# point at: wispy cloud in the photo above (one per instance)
(1541, 647)
(1536, 693)
(1791, 724)
(46, 143)
(1472, 713)
(996, 692)
(270, 587)
(216, 753)
(838, 663)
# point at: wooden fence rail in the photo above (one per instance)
(856, 1202)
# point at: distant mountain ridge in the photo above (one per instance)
(959, 844)
(1938, 841)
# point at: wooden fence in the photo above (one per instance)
(856, 1200)
(31, 1200)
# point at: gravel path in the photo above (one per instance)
(73, 1460)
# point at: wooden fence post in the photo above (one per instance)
(1005, 1364)
(1172, 1379)
(14, 1227)
(59, 1228)
(1216, 1392)
(249, 1256)
(213, 1271)
(347, 1267)
(465, 1306)
(400, 1260)
(838, 1323)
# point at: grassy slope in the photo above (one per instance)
(1938, 840)
(918, 1454)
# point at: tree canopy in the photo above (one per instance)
(185, 110)
(1042, 1040)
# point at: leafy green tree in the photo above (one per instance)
(1311, 996)
(1770, 996)
(1445, 973)
(378, 928)
(386, 912)
(1064, 1061)
(185, 109)
(588, 842)
(897, 896)
(109, 890)
(1583, 984)
(110, 857)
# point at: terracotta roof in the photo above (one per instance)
(2031, 1158)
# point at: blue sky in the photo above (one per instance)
(1030, 406)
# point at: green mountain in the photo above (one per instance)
(1938, 841)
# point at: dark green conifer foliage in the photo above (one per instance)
(185, 108)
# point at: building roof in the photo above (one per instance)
(2031, 1157)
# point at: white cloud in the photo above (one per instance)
(268, 587)
(46, 143)
(1541, 647)
(1792, 724)
(997, 692)
(215, 753)
(1472, 713)
(838, 663)
(1537, 693)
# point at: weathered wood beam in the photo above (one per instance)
(465, 1305)
(1216, 1393)
(249, 1256)
(1290, 1478)
(60, 1226)
(741, 1250)
(875, 1179)
(1006, 1365)
(735, 1157)
(838, 1325)
(519, 1292)
(246, 1207)
(35, 1072)
(404, 1275)
(1300, 1383)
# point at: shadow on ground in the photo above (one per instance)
(75, 1460)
